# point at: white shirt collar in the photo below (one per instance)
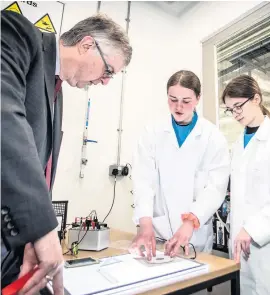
(57, 61)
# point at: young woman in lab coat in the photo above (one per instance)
(180, 174)
(250, 185)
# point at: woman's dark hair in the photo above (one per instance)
(246, 87)
(186, 79)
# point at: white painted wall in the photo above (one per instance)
(162, 45)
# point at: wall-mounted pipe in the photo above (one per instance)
(124, 72)
(98, 6)
(84, 159)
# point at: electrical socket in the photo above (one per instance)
(115, 170)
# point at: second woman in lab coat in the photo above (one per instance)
(180, 174)
(250, 185)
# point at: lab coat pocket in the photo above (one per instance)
(162, 227)
(200, 182)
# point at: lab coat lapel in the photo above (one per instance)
(194, 135)
(189, 148)
(169, 134)
(195, 132)
(244, 155)
(263, 132)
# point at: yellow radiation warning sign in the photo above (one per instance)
(14, 7)
(45, 24)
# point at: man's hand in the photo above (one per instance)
(46, 253)
(180, 238)
(146, 238)
(29, 260)
(241, 243)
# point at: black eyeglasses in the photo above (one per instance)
(236, 109)
(192, 253)
(108, 74)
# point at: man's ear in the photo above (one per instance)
(87, 43)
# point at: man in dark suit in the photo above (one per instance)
(33, 65)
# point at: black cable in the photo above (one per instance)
(127, 164)
(82, 237)
(89, 215)
(114, 187)
(183, 247)
(68, 252)
(64, 230)
(78, 242)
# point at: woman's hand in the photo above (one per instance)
(146, 238)
(242, 243)
(180, 238)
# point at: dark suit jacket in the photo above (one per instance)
(29, 130)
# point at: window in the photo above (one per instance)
(241, 48)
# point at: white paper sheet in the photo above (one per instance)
(127, 274)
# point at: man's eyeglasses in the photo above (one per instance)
(238, 109)
(108, 74)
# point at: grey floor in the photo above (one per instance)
(222, 289)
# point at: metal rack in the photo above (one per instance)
(60, 209)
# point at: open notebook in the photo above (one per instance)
(125, 274)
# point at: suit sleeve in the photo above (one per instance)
(144, 176)
(212, 194)
(29, 214)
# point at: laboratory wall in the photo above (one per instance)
(162, 45)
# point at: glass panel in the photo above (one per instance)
(245, 53)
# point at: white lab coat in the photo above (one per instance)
(169, 181)
(250, 207)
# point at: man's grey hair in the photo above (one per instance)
(105, 31)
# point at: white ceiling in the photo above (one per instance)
(175, 8)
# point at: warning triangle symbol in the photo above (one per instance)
(45, 24)
(14, 7)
